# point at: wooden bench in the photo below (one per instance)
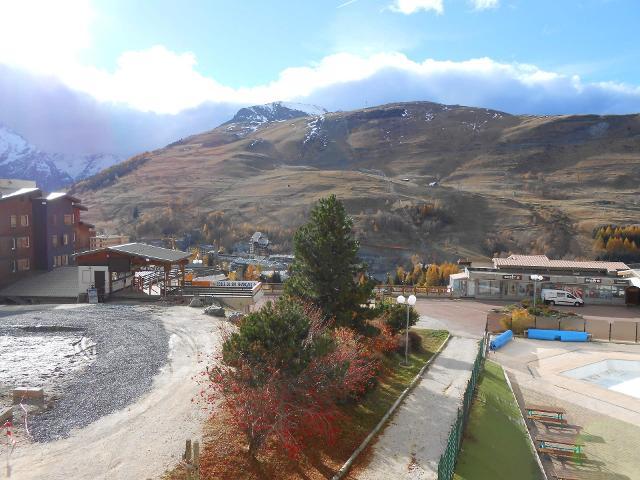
(561, 452)
(564, 474)
(547, 420)
(560, 442)
(547, 410)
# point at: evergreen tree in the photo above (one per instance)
(326, 264)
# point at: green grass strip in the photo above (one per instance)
(495, 445)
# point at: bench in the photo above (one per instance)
(547, 420)
(561, 452)
(564, 474)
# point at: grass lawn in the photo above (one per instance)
(224, 458)
(495, 446)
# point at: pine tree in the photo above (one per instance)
(326, 264)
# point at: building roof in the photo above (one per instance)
(21, 191)
(61, 282)
(145, 251)
(57, 195)
(542, 261)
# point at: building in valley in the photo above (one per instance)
(259, 244)
(510, 279)
(104, 241)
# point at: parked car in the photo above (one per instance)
(560, 297)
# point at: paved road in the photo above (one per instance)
(463, 318)
(467, 318)
(412, 443)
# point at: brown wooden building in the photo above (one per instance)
(17, 250)
(113, 268)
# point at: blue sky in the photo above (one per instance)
(248, 42)
(186, 66)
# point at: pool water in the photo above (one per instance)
(618, 375)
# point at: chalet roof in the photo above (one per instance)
(143, 250)
(149, 251)
(21, 191)
(542, 261)
(57, 195)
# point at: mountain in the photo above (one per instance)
(439, 181)
(51, 171)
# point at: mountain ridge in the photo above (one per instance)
(506, 182)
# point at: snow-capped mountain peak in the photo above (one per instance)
(22, 160)
(274, 112)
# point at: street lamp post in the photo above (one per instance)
(409, 302)
(536, 279)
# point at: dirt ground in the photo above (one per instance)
(144, 439)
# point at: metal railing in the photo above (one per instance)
(447, 462)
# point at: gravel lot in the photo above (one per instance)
(131, 347)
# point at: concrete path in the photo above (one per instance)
(411, 445)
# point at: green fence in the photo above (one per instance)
(447, 463)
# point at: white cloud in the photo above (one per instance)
(485, 4)
(50, 37)
(43, 35)
(409, 7)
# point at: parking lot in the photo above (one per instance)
(467, 317)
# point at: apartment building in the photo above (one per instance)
(39, 232)
(17, 250)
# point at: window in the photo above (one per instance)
(54, 219)
(74, 237)
(14, 221)
(54, 240)
(24, 242)
(23, 265)
(65, 260)
(68, 219)
(14, 243)
(65, 239)
(13, 266)
(24, 220)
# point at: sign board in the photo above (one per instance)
(92, 295)
(621, 282)
(592, 280)
(236, 284)
(512, 277)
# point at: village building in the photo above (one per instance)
(103, 241)
(259, 244)
(596, 282)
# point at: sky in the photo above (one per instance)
(118, 76)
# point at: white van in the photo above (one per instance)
(560, 297)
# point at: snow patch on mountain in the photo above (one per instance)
(249, 119)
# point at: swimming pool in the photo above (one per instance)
(618, 375)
